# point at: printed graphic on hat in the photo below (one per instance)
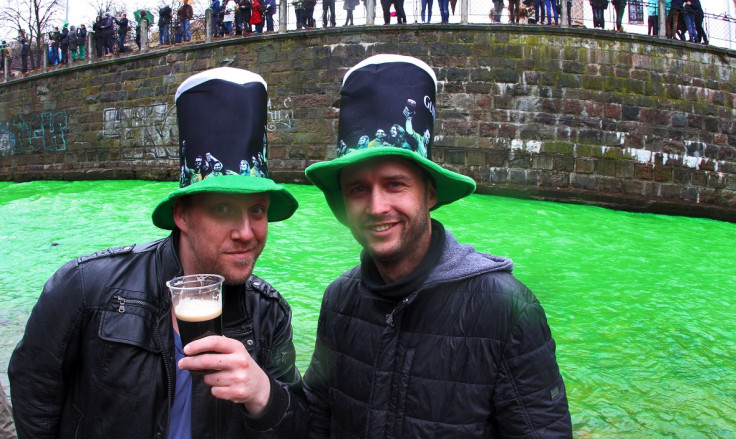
(222, 126)
(210, 166)
(387, 101)
(221, 116)
(401, 134)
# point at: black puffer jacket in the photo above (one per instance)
(97, 357)
(468, 354)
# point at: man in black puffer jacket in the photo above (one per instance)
(426, 338)
(101, 356)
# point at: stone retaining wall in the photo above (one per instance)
(579, 115)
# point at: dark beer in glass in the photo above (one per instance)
(197, 303)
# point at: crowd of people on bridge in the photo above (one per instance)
(232, 18)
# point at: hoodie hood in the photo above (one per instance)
(462, 261)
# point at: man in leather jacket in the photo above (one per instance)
(426, 337)
(101, 356)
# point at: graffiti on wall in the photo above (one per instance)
(28, 133)
(281, 116)
(7, 139)
(149, 126)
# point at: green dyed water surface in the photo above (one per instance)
(641, 306)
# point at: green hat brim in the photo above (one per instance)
(281, 206)
(450, 186)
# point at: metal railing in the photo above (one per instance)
(720, 28)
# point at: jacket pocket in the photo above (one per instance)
(129, 319)
(129, 354)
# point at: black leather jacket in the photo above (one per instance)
(97, 357)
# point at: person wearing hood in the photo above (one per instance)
(108, 30)
(82, 40)
(164, 24)
(64, 43)
(427, 337)
(73, 43)
(98, 37)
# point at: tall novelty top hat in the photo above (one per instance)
(221, 114)
(387, 108)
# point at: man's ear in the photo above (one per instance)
(431, 196)
(180, 214)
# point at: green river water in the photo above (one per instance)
(641, 306)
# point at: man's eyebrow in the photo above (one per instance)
(391, 177)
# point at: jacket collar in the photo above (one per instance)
(168, 265)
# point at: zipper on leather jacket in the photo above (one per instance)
(122, 301)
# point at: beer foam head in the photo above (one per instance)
(197, 310)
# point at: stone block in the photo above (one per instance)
(679, 119)
(572, 107)
(553, 179)
(609, 185)
(698, 178)
(612, 111)
(630, 112)
(315, 152)
(731, 182)
(592, 82)
(625, 169)
(518, 159)
(690, 194)
(564, 163)
(727, 153)
(569, 80)
(583, 181)
(654, 116)
(681, 175)
(456, 157)
(498, 175)
(476, 158)
(633, 187)
(716, 180)
(486, 129)
(497, 157)
(662, 173)
(669, 191)
(605, 167)
(591, 136)
(644, 172)
(573, 66)
(543, 161)
(557, 147)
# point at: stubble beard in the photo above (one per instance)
(407, 241)
(239, 279)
